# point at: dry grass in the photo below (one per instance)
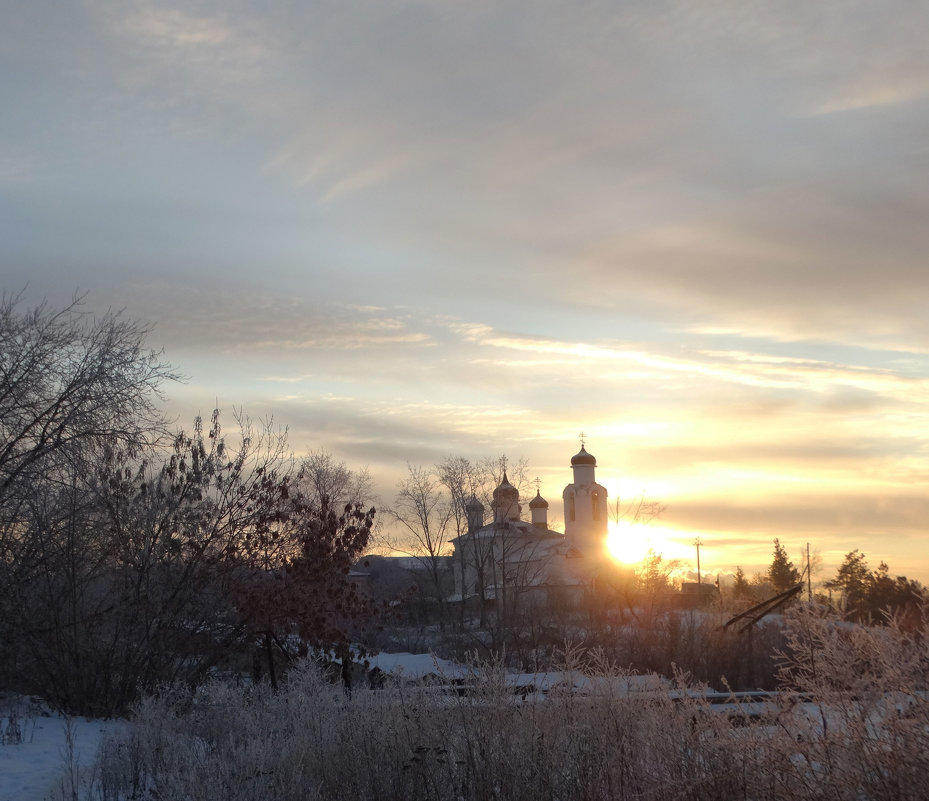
(864, 736)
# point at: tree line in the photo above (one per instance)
(858, 593)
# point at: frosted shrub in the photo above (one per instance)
(407, 742)
(860, 729)
(852, 725)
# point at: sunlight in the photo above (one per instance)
(626, 542)
(629, 543)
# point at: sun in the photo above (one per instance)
(626, 543)
(629, 543)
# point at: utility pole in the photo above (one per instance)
(698, 544)
(809, 576)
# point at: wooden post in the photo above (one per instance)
(270, 652)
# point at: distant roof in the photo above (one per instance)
(514, 528)
(413, 562)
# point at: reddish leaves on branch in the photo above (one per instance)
(308, 590)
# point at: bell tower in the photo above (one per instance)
(585, 507)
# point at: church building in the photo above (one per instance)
(505, 557)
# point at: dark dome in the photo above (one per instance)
(475, 505)
(538, 502)
(506, 490)
(582, 457)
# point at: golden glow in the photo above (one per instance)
(629, 543)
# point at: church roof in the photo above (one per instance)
(474, 505)
(538, 502)
(513, 531)
(506, 489)
(582, 457)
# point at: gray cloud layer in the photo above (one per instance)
(414, 228)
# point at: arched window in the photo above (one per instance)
(571, 507)
(595, 500)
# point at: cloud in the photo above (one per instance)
(695, 230)
(846, 383)
(256, 323)
(169, 28)
(835, 519)
(217, 56)
(661, 155)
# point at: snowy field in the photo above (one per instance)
(52, 749)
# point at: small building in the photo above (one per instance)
(694, 595)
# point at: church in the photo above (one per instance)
(504, 558)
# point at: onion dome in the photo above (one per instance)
(506, 491)
(474, 505)
(582, 457)
(538, 502)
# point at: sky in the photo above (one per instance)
(695, 231)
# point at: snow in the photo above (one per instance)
(416, 666)
(36, 769)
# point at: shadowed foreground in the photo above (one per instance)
(864, 736)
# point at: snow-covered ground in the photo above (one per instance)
(38, 768)
(415, 666)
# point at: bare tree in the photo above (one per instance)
(69, 384)
(74, 389)
(637, 511)
(499, 561)
(459, 478)
(424, 512)
(330, 482)
(497, 551)
(130, 584)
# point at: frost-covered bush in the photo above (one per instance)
(310, 740)
(852, 724)
(858, 727)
